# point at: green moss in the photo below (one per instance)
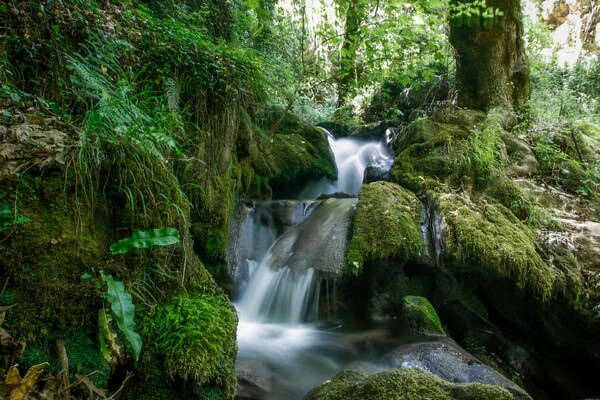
(386, 224)
(294, 157)
(510, 195)
(488, 240)
(84, 357)
(82, 353)
(401, 384)
(435, 155)
(423, 158)
(45, 258)
(195, 338)
(420, 318)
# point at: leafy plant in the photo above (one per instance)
(10, 217)
(475, 12)
(124, 310)
(146, 239)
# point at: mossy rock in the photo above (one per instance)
(402, 384)
(487, 240)
(437, 156)
(386, 224)
(195, 336)
(457, 116)
(424, 131)
(294, 157)
(420, 318)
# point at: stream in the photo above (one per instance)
(286, 255)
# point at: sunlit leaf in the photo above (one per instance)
(146, 239)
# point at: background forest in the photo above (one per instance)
(131, 130)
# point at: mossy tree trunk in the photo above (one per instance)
(491, 69)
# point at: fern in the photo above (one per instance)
(173, 93)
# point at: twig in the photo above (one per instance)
(63, 375)
(127, 377)
(4, 287)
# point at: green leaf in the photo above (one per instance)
(111, 347)
(146, 239)
(124, 310)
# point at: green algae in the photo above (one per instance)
(386, 225)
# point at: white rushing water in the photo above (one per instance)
(352, 156)
(279, 291)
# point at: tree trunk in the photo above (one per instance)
(490, 63)
(352, 39)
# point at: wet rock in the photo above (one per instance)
(380, 170)
(253, 380)
(319, 242)
(450, 362)
(336, 195)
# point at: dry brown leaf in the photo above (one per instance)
(27, 383)
(8, 150)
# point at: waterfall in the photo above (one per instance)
(352, 156)
(281, 254)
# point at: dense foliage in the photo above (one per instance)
(142, 123)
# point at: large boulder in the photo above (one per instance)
(450, 362)
(402, 384)
(387, 224)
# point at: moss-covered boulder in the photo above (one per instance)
(402, 384)
(435, 156)
(297, 157)
(488, 241)
(419, 317)
(445, 359)
(194, 337)
(386, 225)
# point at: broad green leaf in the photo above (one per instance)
(146, 239)
(124, 310)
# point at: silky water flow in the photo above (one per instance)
(282, 254)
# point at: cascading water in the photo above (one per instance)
(352, 156)
(284, 252)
